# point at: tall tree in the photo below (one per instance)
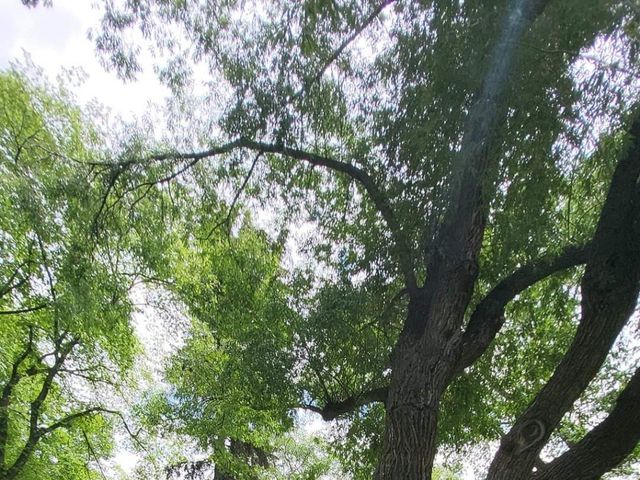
(442, 151)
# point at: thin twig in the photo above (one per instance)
(93, 453)
(232, 206)
(336, 53)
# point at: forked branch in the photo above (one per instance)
(488, 316)
(333, 409)
(604, 447)
(377, 196)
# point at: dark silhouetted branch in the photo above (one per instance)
(488, 316)
(604, 447)
(609, 288)
(333, 409)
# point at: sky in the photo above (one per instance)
(57, 37)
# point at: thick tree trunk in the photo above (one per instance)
(422, 368)
(609, 288)
(428, 351)
(411, 418)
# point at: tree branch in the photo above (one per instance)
(25, 309)
(68, 420)
(488, 316)
(376, 195)
(236, 197)
(333, 409)
(336, 53)
(5, 400)
(116, 171)
(604, 447)
(453, 266)
(609, 294)
(35, 433)
(64, 422)
(9, 285)
(92, 453)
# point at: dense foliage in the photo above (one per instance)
(65, 309)
(434, 176)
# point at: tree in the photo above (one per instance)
(67, 341)
(471, 235)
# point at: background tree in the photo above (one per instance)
(67, 340)
(459, 161)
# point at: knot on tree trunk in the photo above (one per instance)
(530, 432)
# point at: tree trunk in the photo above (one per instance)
(411, 419)
(422, 368)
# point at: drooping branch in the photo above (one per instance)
(377, 196)
(18, 311)
(68, 420)
(115, 173)
(609, 294)
(488, 316)
(333, 409)
(93, 454)
(227, 219)
(9, 285)
(604, 447)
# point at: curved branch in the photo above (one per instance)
(36, 433)
(25, 309)
(67, 421)
(488, 316)
(604, 447)
(9, 285)
(333, 409)
(376, 195)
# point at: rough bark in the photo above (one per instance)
(605, 446)
(417, 384)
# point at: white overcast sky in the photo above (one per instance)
(56, 37)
